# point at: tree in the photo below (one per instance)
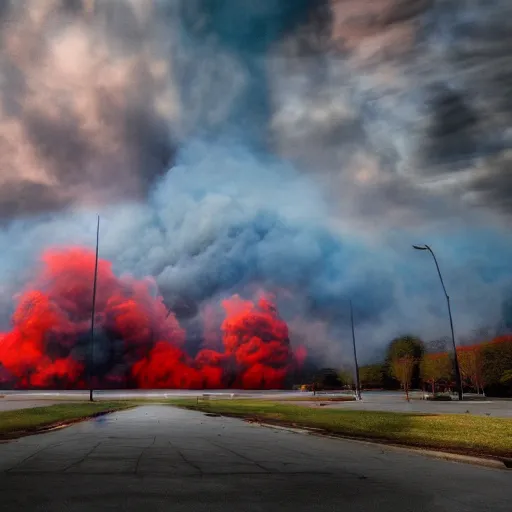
(371, 375)
(404, 346)
(496, 362)
(437, 346)
(400, 347)
(327, 378)
(346, 377)
(436, 367)
(507, 377)
(471, 366)
(402, 369)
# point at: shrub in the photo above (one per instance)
(497, 362)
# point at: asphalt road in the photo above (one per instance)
(162, 458)
(395, 402)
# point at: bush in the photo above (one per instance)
(472, 398)
(497, 362)
(440, 398)
(371, 376)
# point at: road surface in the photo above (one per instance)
(395, 402)
(160, 458)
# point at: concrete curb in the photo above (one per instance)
(467, 459)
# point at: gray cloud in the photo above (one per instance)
(395, 115)
(419, 89)
(86, 104)
(402, 98)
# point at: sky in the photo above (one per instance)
(297, 147)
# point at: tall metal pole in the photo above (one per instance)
(93, 314)
(455, 355)
(358, 384)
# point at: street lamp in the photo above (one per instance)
(358, 384)
(457, 368)
(93, 314)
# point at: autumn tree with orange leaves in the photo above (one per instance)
(436, 367)
(484, 366)
(471, 366)
(402, 369)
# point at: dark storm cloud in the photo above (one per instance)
(407, 94)
(495, 186)
(418, 87)
(60, 143)
(21, 199)
(452, 134)
(476, 45)
(83, 105)
(96, 96)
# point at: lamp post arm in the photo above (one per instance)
(438, 271)
(456, 358)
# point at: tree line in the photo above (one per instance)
(485, 367)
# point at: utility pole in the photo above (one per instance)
(93, 314)
(456, 357)
(358, 384)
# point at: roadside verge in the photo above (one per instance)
(492, 462)
(456, 434)
(36, 420)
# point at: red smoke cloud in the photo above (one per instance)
(138, 342)
(257, 339)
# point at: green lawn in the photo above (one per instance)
(462, 433)
(30, 420)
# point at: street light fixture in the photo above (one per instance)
(358, 384)
(457, 368)
(93, 314)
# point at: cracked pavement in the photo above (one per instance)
(164, 458)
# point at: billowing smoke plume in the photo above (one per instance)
(140, 343)
(296, 147)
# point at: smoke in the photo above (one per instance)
(87, 107)
(296, 147)
(140, 342)
(405, 103)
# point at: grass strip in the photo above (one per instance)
(31, 420)
(457, 433)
